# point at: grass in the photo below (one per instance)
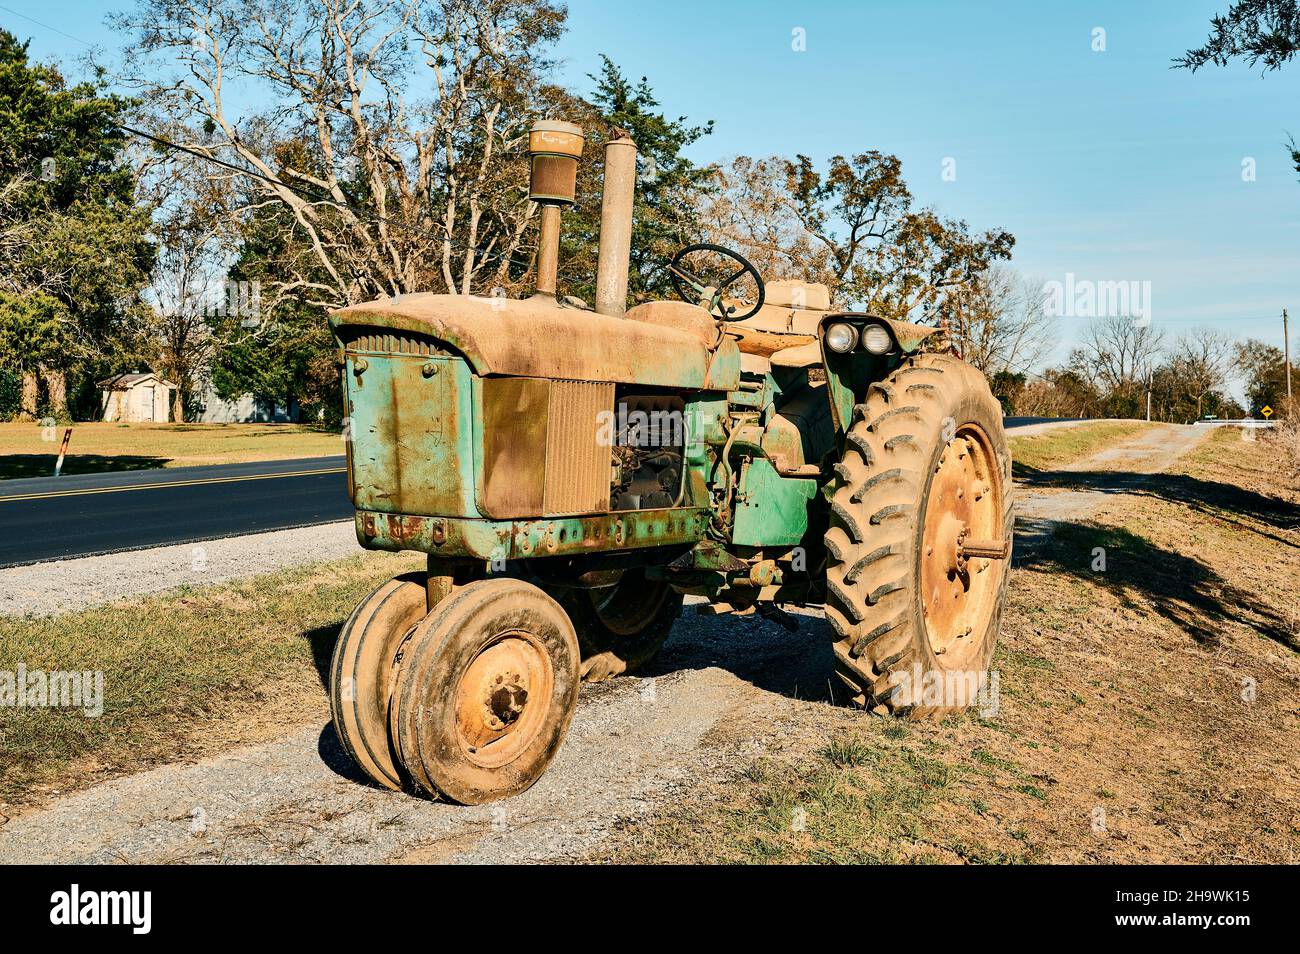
(864, 798)
(185, 673)
(29, 450)
(1064, 445)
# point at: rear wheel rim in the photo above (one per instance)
(503, 698)
(958, 596)
(629, 606)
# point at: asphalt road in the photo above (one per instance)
(54, 518)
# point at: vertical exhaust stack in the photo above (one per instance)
(616, 227)
(553, 151)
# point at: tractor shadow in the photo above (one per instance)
(759, 651)
(320, 641)
(16, 466)
(1245, 509)
(1147, 579)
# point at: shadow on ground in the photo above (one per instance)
(761, 652)
(14, 466)
(1246, 509)
(1147, 578)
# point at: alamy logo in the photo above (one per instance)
(103, 907)
(1088, 299)
(25, 688)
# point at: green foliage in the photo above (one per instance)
(31, 330)
(1258, 31)
(1264, 368)
(668, 185)
(73, 242)
(1006, 387)
(290, 355)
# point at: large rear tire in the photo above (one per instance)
(485, 689)
(925, 467)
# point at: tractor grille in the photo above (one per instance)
(578, 465)
(391, 343)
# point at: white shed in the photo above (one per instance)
(135, 398)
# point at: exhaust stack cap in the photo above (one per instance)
(554, 148)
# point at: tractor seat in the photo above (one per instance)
(791, 307)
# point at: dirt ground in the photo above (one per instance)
(1147, 712)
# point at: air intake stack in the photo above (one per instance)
(553, 150)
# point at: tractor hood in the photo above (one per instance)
(539, 338)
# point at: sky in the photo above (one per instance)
(1107, 165)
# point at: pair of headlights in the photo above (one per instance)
(843, 338)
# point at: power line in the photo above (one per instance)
(24, 16)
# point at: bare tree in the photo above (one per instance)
(1120, 353)
(1200, 363)
(391, 193)
(1000, 323)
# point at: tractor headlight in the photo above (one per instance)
(877, 340)
(841, 338)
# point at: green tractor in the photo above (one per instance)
(572, 473)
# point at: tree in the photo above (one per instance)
(32, 327)
(1264, 368)
(1060, 392)
(72, 231)
(669, 186)
(1000, 324)
(387, 191)
(1260, 31)
(854, 230)
(1199, 366)
(1119, 355)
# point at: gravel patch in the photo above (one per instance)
(44, 589)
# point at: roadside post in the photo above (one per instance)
(63, 450)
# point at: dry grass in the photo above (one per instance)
(28, 450)
(1148, 713)
(1063, 445)
(194, 671)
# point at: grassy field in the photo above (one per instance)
(28, 450)
(1062, 445)
(189, 672)
(1147, 712)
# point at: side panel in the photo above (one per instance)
(771, 510)
(512, 414)
(410, 449)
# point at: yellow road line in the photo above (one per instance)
(173, 483)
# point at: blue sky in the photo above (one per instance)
(1108, 165)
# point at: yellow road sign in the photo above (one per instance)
(1266, 411)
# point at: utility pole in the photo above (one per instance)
(1150, 375)
(1286, 350)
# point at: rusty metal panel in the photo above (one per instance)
(578, 462)
(513, 471)
(409, 446)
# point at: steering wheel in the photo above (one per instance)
(696, 290)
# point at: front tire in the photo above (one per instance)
(925, 467)
(485, 689)
(361, 670)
